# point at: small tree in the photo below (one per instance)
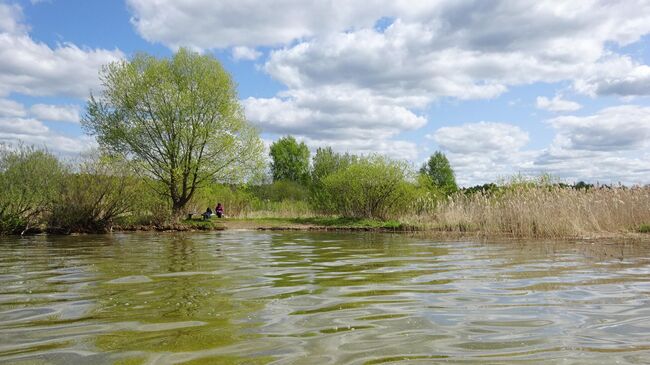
(179, 119)
(101, 190)
(371, 187)
(325, 163)
(290, 160)
(28, 182)
(438, 169)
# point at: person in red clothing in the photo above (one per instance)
(219, 210)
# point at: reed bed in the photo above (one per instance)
(545, 211)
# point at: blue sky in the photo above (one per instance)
(501, 87)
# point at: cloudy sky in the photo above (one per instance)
(502, 87)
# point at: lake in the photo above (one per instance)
(246, 297)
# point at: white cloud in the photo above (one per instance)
(482, 152)
(338, 117)
(604, 167)
(331, 112)
(10, 108)
(16, 129)
(33, 68)
(610, 146)
(9, 19)
(245, 53)
(210, 24)
(359, 87)
(557, 104)
(481, 138)
(57, 113)
(618, 128)
(615, 75)
(23, 126)
(33, 132)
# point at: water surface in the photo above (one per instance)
(320, 298)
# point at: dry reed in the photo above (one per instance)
(545, 211)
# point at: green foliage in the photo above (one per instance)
(179, 119)
(485, 189)
(347, 222)
(91, 199)
(438, 169)
(290, 160)
(237, 201)
(280, 191)
(325, 163)
(28, 179)
(371, 187)
(644, 228)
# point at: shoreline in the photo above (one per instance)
(331, 225)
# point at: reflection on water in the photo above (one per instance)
(320, 298)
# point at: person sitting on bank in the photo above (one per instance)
(219, 210)
(207, 214)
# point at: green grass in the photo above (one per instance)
(644, 228)
(329, 222)
(342, 222)
(201, 224)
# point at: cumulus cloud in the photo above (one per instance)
(209, 24)
(57, 113)
(339, 117)
(592, 166)
(31, 131)
(618, 128)
(481, 138)
(463, 49)
(34, 68)
(245, 53)
(424, 52)
(331, 112)
(22, 126)
(11, 108)
(16, 127)
(484, 151)
(615, 75)
(610, 146)
(557, 104)
(9, 19)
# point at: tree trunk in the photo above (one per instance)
(177, 210)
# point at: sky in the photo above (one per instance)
(501, 87)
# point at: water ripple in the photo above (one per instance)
(320, 298)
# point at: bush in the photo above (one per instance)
(91, 199)
(237, 201)
(280, 191)
(28, 182)
(372, 187)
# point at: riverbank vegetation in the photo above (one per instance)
(98, 193)
(173, 141)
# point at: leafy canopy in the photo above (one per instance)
(290, 160)
(440, 173)
(178, 119)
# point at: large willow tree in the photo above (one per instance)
(178, 119)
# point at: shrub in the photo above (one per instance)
(28, 182)
(372, 187)
(280, 191)
(90, 199)
(237, 201)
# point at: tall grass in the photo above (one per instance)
(547, 211)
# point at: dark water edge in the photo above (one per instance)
(246, 297)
